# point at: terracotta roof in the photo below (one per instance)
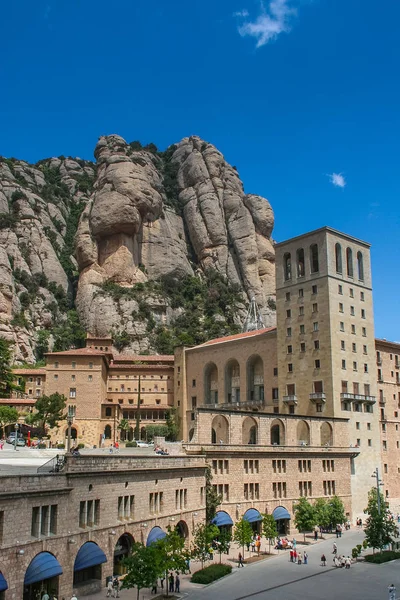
(383, 342)
(144, 358)
(237, 336)
(133, 367)
(79, 352)
(29, 371)
(18, 401)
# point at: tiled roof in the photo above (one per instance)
(79, 352)
(144, 358)
(29, 371)
(387, 343)
(18, 401)
(237, 336)
(135, 367)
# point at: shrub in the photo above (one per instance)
(60, 446)
(130, 445)
(80, 446)
(211, 573)
(382, 557)
(41, 446)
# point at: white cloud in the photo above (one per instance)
(272, 21)
(241, 13)
(337, 179)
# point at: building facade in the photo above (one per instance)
(76, 526)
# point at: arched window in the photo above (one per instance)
(360, 264)
(338, 256)
(107, 432)
(349, 262)
(300, 262)
(314, 263)
(287, 266)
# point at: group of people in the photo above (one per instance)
(174, 584)
(113, 588)
(297, 557)
(284, 544)
(255, 543)
(340, 561)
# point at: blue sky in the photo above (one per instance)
(291, 91)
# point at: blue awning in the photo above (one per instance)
(89, 555)
(43, 566)
(222, 518)
(280, 513)
(3, 583)
(252, 516)
(155, 534)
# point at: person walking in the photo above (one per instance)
(334, 548)
(154, 588)
(188, 565)
(299, 558)
(316, 534)
(45, 596)
(323, 560)
(291, 556)
(171, 582)
(162, 582)
(258, 546)
(116, 587)
(305, 558)
(109, 588)
(177, 584)
(348, 562)
(240, 557)
(392, 592)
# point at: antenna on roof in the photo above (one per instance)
(253, 319)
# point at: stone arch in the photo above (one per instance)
(232, 382)
(277, 433)
(249, 431)
(303, 433)
(220, 430)
(122, 550)
(74, 433)
(211, 383)
(107, 432)
(182, 529)
(255, 379)
(326, 434)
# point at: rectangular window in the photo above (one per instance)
(302, 347)
(343, 364)
(302, 329)
(352, 311)
(353, 329)
(35, 525)
(289, 332)
(314, 289)
(351, 292)
(342, 345)
(275, 393)
(72, 392)
(354, 366)
(301, 311)
(301, 292)
(340, 289)
(365, 349)
(315, 307)
(90, 365)
(287, 296)
(362, 313)
(290, 367)
(275, 371)
(90, 377)
(288, 313)
(362, 297)
(365, 368)
(315, 326)
(364, 332)
(317, 364)
(193, 383)
(316, 344)
(289, 349)
(341, 326)
(341, 307)
(73, 365)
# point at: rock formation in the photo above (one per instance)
(145, 216)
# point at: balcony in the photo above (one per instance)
(290, 400)
(318, 397)
(357, 398)
(235, 382)
(258, 380)
(382, 401)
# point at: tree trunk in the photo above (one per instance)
(138, 592)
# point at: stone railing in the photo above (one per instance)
(89, 463)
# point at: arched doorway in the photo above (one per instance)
(282, 519)
(87, 569)
(107, 432)
(255, 380)
(122, 550)
(326, 434)
(249, 431)
(277, 433)
(182, 529)
(42, 575)
(220, 430)
(74, 434)
(232, 382)
(253, 516)
(303, 433)
(211, 384)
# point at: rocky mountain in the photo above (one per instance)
(156, 248)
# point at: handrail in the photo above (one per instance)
(54, 465)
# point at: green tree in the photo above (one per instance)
(172, 423)
(336, 511)
(6, 375)
(243, 533)
(204, 535)
(380, 527)
(170, 554)
(213, 499)
(123, 427)
(50, 410)
(322, 513)
(142, 569)
(224, 542)
(8, 415)
(305, 516)
(269, 529)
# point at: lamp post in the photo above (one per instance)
(70, 420)
(379, 482)
(16, 436)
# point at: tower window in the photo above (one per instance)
(314, 289)
(287, 266)
(360, 265)
(338, 257)
(349, 262)
(300, 262)
(314, 263)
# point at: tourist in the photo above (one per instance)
(305, 558)
(116, 587)
(162, 582)
(316, 534)
(73, 597)
(334, 548)
(392, 592)
(258, 546)
(299, 558)
(348, 562)
(171, 582)
(154, 588)
(295, 555)
(294, 542)
(177, 584)
(188, 565)
(45, 596)
(323, 560)
(240, 561)
(291, 556)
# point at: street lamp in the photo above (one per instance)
(70, 420)
(379, 482)
(16, 436)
